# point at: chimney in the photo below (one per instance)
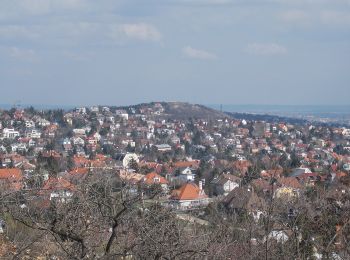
(200, 185)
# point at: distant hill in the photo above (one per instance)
(280, 119)
(266, 118)
(182, 110)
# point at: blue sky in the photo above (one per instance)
(117, 52)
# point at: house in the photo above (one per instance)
(79, 132)
(280, 236)
(188, 196)
(97, 136)
(91, 140)
(245, 199)
(242, 166)
(130, 176)
(122, 114)
(20, 147)
(298, 171)
(50, 130)
(58, 189)
(272, 173)
(309, 179)
(94, 109)
(29, 124)
(224, 183)
(185, 174)
(163, 147)
(77, 175)
(80, 161)
(288, 188)
(175, 139)
(11, 178)
(67, 145)
(9, 133)
(33, 133)
(5, 160)
(193, 164)
(43, 122)
(80, 110)
(154, 178)
(78, 141)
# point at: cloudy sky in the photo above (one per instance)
(81, 52)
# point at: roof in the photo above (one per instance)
(79, 171)
(223, 178)
(58, 184)
(130, 177)
(290, 182)
(188, 191)
(79, 160)
(244, 198)
(261, 185)
(11, 173)
(13, 176)
(150, 179)
(185, 164)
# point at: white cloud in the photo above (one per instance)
(139, 31)
(198, 54)
(266, 49)
(23, 54)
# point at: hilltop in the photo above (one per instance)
(178, 110)
(186, 110)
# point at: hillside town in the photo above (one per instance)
(199, 165)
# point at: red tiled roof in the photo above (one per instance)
(11, 173)
(58, 184)
(189, 191)
(184, 164)
(291, 182)
(13, 176)
(80, 161)
(79, 171)
(150, 179)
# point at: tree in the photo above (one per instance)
(133, 165)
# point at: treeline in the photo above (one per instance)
(108, 219)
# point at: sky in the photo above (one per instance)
(120, 52)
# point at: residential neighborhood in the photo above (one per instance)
(186, 164)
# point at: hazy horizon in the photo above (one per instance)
(223, 107)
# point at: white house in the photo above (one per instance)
(43, 122)
(79, 132)
(224, 184)
(186, 175)
(34, 133)
(78, 141)
(123, 114)
(163, 147)
(29, 124)
(10, 133)
(188, 196)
